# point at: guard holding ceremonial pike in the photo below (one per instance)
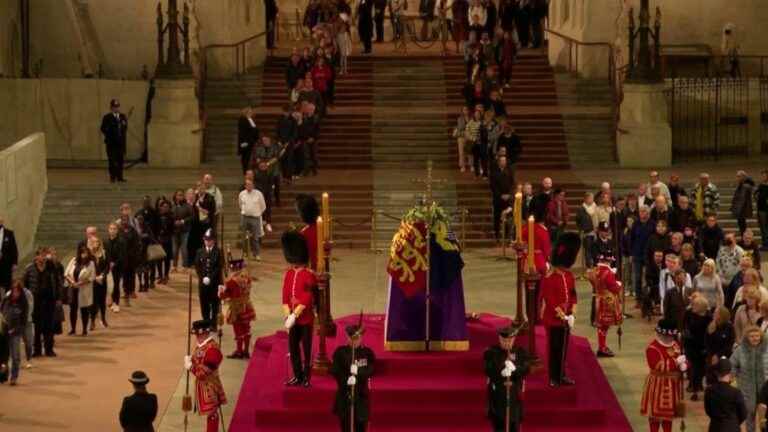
(204, 365)
(237, 295)
(558, 306)
(606, 302)
(506, 367)
(352, 404)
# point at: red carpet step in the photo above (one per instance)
(424, 391)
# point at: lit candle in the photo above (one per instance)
(320, 244)
(530, 263)
(326, 215)
(518, 209)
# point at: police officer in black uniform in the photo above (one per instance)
(114, 127)
(506, 367)
(352, 380)
(365, 24)
(209, 264)
(603, 248)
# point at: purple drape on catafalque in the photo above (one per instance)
(405, 322)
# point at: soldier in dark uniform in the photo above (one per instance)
(506, 367)
(139, 409)
(209, 265)
(114, 127)
(352, 380)
(365, 24)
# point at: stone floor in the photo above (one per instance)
(83, 387)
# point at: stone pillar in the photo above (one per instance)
(175, 138)
(644, 139)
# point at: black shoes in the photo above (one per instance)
(607, 353)
(293, 382)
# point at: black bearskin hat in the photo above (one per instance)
(666, 327)
(201, 326)
(295, 248)
(307, 207)
(566, 249)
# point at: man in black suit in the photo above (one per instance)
(114, 127)
(365, 23)
(247, 137)
(502, 181)
(139, 409)
(209, 265)
(9, 257)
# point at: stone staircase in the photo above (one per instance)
(588, 118)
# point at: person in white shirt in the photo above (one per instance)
(655, 182)
(666, 282)
(252, 206)
(215, 192)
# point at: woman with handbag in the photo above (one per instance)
(165, 232)
(147, 265)
(101, 266)
(80, 274)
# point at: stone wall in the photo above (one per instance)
(683, 22)
(10, 41)
(23, 185)
(69, 112)
(122, 36)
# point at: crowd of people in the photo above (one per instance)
(670, 253)
(142, 247)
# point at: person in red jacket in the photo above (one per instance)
(557, 215)
(542, 247)
(663, 391)
(308, 210)
(322, 75)
(204, 365)
(557, 298)
(607, 303)
(237, 294)
(298, 299)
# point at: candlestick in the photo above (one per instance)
(326, 207)
(518, 209)
(530, 265)
(320, 245)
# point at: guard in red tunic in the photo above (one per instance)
(558, 305)
(237, 294)
(308, 210)
(662, 398)
(204, 365)
(298, 284)
(607, 302)
(542, 246)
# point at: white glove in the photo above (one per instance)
(206, 281)
(509, 365)
(353, 369)
(506, 372)
(571, 320)
(351, 381)
(243, 144)
(187, 362)
(221, 290)
(681, 359)
(683, 367)
(290, 321)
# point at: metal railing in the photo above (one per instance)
(240, 65)
(574, 46)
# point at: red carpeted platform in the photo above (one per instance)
(424, 391)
